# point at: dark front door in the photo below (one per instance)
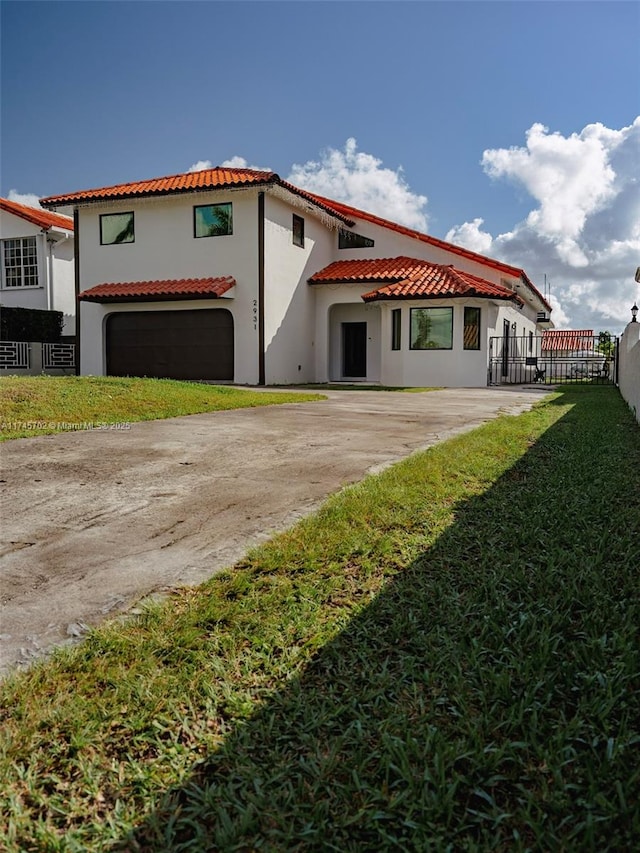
(354, 349)
(171, 344)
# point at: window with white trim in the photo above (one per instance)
(20, 262)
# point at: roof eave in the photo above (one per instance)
(34, 219)
(154, 297)
(313, 201)
(52, 202)
(376, 296)
(527, 281)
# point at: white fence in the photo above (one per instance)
(32, 358)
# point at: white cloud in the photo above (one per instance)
(570, 177)
(30, 199)
(200, 166)
(560, 318)
(234, 162)
(584, 230)
(360, 179)
(240, 163)
(353, 177)
(471, 236)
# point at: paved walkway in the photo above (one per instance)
(93, 521)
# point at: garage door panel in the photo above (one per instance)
(171, 344)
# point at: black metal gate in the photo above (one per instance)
(553, 358)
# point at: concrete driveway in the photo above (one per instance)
(93, 521)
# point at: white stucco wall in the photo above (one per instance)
(55, 290)
(336, 304)
(454, 368)
(340, 313)
(629, 367)
(289, 307)
(64, 292)
(165, 248)
(24, 297)
(457, 367)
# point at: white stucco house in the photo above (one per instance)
(37, 249)
(237, 275)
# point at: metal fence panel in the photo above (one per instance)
(58, 356)
(527, 359)
(14, 354)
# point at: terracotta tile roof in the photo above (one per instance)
(183, 288)
(354, 213)
(189, 182)
(38, 217)
(410, 278)
(206, 179)
(570, 340)
(375, 269)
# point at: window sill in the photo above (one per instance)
(14, 288)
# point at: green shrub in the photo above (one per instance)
(30, 324)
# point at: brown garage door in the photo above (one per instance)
(171, 344)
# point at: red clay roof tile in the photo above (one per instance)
(43, 218)
(410, 278)
(569, 340)
(183, 288)
(205, 179)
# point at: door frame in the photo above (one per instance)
(359, 342)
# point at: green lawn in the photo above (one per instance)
(41, 405)
(445, 657)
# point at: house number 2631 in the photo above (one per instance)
(255, 313)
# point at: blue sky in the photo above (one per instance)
(506, 126)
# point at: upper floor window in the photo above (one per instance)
(298, 231)
(431, 328)
(20, 262)
(116, 228)
(471, 334)
(212, 220)
(351, 240)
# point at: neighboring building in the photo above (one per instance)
(236, 275)
(563, 342)
(37, 250)
(574, 353)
